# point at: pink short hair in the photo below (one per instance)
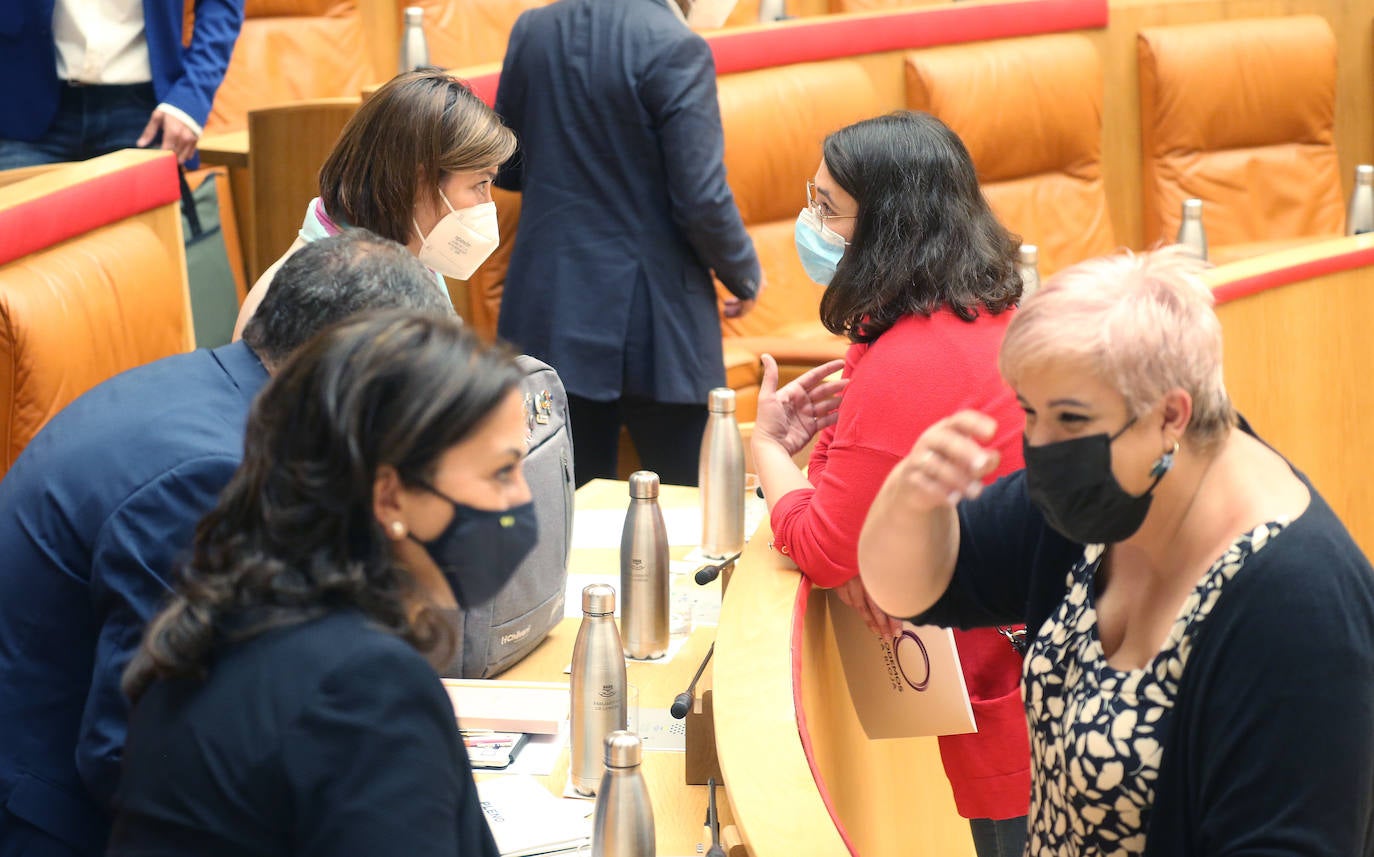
(1144, 320)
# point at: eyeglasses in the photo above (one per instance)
(820, 208)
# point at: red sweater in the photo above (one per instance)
(919, 371)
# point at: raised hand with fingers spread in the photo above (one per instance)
(791, 416)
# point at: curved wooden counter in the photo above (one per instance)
(1298, 354)
(802, 777)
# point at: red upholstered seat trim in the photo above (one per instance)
(827, 37)
(1236, 289)
(832, 36)
(40, 223)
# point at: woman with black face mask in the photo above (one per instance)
(1201, 675)
(286, 700)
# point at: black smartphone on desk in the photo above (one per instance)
(494, 750)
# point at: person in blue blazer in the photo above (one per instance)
(93, 76)
(625, 216)
(95, 514)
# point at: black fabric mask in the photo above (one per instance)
(479, 550)
(1072, 484)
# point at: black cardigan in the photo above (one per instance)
(331, 738)
(1271, 745)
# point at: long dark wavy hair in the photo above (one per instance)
(294, 534)
(924, 236)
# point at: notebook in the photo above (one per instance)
(904, 686)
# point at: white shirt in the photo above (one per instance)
(103, 42)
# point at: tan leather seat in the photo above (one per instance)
(1030, 112)
(1241, 114)
(293, 50)
(92, 282)
(469, 32)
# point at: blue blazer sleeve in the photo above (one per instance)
(217, 24)
(131, 572)
(510, 106)
(679, 91)
(376, 765)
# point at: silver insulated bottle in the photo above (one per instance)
(414, 48)
(644, 625)
(721, 476)
(598, 687)
(1190, 231)
(1028, 267)
(624, 822)
(1360, 217)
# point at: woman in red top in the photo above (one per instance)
(921, 277)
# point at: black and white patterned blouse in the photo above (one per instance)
(1096, 732)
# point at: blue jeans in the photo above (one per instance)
(998, 838)
(90, 121)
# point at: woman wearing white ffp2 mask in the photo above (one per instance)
(415, 164)
(462, 239)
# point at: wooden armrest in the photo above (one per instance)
(229, 149)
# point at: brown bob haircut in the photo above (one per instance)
(418, 128)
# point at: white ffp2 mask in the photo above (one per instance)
(461, 240)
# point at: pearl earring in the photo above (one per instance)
(398, 529)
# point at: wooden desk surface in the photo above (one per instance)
(679, 809)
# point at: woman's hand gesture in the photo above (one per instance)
(790, 417)
(948, 462)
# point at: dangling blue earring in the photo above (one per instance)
(1164, 463)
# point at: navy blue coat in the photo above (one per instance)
(626, 211)
(93, 516)
(184, 77)
(329, 738)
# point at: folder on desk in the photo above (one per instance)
(905, 686)
(526, 819)
(536, 707)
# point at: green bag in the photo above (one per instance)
(214, 294)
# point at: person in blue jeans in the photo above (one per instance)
(97, 77)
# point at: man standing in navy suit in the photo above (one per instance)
(624, 218)
(96, 512)
(87, 77)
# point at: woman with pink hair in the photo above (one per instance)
(1200, 678)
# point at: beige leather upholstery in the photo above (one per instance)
(1241, 114)
(95, 288)
(292, 50)
(1030, 113)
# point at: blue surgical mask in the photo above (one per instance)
(819, 247)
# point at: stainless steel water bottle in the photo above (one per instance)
(644, 627)
(624, 822)
(1360, 217)
(1028, 267)
(1190, 231)
(414, 48)
(598, 687)
(772, 10)
(721, 476)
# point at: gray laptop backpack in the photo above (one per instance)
(497, 635)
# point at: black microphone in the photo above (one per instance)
(708, 573)
(683, 703)
(712, 821)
